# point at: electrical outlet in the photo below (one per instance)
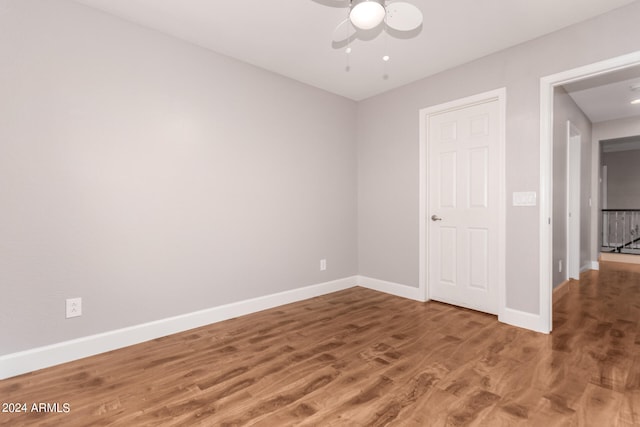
(323, 264)
(74, 307)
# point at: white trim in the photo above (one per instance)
(546, 250)
(547, 85)
(595, 265)
(522, 319)
(573, 245)
(55, 354)
(501, 96)
(604, 192)
(605, 183)
(397, 289)
(423, 185)
(586, 267)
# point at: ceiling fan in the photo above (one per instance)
(369, 14)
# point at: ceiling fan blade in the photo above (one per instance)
(403, 16)
(343, 31)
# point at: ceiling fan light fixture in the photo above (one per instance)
(367, 14)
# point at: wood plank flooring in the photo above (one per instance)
(362, 358)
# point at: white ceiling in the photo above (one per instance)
(608, 96)
(294, 37)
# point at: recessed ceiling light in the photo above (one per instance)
(385, 58)
(636, 101)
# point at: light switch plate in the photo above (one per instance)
(524, 198)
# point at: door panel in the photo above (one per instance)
(478, 164)
(448, 176)
(463, 167)
(478, 245)
(448, 248)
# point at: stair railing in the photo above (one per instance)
(621, 230)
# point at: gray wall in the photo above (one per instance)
(564, 108)
(623, 175)
(153, 178)
(388, 143)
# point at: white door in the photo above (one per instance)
(573, 201)
(463, 206)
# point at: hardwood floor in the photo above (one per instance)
(362, 358)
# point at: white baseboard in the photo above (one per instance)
(55, 354)
(595, 265)
(523, 319)
(396, 289)
(42, 357)
(508, 315)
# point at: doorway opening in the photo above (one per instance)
(589, 73)
(620, 196)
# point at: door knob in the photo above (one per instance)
(435, 218)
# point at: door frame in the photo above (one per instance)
(604, 202)
(574, 216)
(547, 86)
(499, 95)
